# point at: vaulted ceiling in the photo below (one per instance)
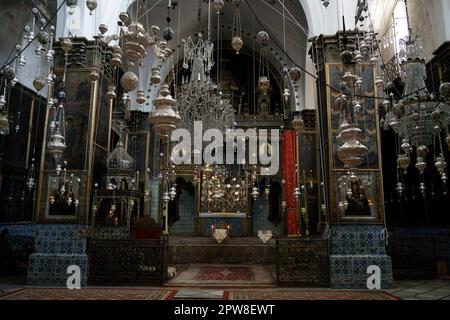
(191, 16)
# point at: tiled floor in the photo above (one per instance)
(422, 290)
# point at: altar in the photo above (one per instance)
(238, 224)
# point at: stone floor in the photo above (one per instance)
(422, 290)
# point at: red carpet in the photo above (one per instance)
(89, 294)
(309, 295)
(208, 273)
(191, 294)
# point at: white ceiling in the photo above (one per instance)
(194, 18)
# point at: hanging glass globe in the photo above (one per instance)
(403, 161)
(91, 5)
(218, 5)
(263, 37)
(129, 81)
(72, 3)
(295, 74)
(237, 43)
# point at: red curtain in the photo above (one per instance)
(290, 178)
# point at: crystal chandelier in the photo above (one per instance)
(199, 98)
(419, 117)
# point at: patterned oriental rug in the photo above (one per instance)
(225, 274)
(89, 294)
(309, 295)
(167, 294)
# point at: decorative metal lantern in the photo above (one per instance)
(297, 193)
(298, 123)
(286, 95)
(91, 5)
(140, 97)
(263, 37)
(295, 74)
(264, 85)
(116, 60)
(135, 42)
(155, 79)
(165, 198)
(444, 89)
(168, 33)
(255, 193)
(94, 76)
(39, 83)
(56, 145)
(173, 193)
(2, 101)
(66, 44)
(218, 5)
(351, 151)
(4, 124)
(111, 93)
(164, 118)
(403, 161)
(237, 43)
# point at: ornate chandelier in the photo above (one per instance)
(65, 188)
(221, 192)
(199, 98)
(419, 117)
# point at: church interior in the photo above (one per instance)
(224, 149)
